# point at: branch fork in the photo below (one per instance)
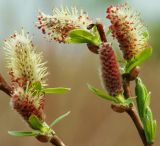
(127, 78)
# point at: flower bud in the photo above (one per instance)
(110, 70)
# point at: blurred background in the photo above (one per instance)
(91, 122)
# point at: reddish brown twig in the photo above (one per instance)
(135, 118)
(101, 31)
(55, 140)
(131, 110)
(4, 86)
(94, 48)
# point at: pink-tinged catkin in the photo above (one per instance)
(25, 69)
(110, 70)
(127, 28)
(26, 108)
(58, 25)
(24, 102)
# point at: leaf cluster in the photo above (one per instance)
(145, 113)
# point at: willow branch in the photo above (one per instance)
(101, 31)
(55, 140)
(131, 111)
(4, 86)
(137, 122)
(94, 48)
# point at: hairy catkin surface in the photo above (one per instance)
(127, 28)
(27, 108)
(110, 70)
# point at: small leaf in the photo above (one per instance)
(59, 119)
(122, 101)
(75, 40)
(36, 86)
(82, 36)
(23, 133)
(108, 32)
(146, 35)
(129, 101)
(141, 93)
(36, 123)
(138, 59)
(96, 32)
(145, 113)
(58, 90)
(154, 127)
(101, 93)
(149, 126)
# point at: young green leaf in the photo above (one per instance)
(101, 93)
(36, 86)
(58, 90)
(138, 59)
(23, 133)
(149, 126)
(36, 123)
(128, 101)
(59, 119)
(82, 36)
(95, 32)
(154, 127)
(108, 32)
(145, 113)
(142, 94)
(77, 40)
(146, 35)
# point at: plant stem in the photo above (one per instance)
(126, 87)
(132, 112)
(137, 122)
(4, 86)
(55, 140)
(94, 48)
(101, 31)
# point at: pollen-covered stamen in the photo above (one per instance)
(26, 68)
(110, 70)
(128, 29)
(22, 59)
(57, 26)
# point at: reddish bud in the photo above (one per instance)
(110, 70)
